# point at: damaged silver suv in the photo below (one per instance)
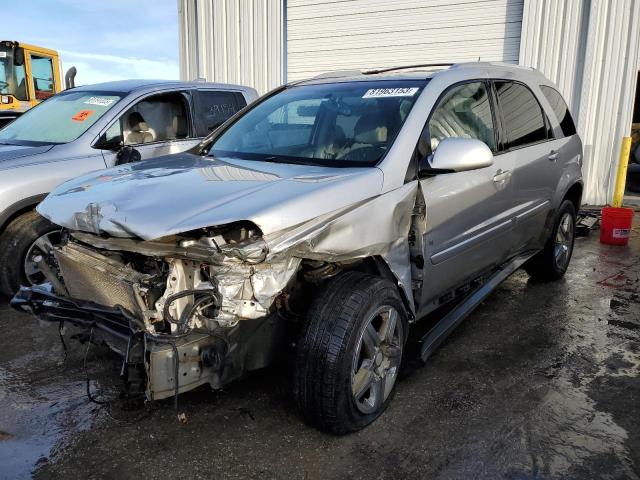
(332, 214)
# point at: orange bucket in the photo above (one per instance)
(615, 226)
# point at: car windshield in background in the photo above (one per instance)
(337, 124)
(60, 119)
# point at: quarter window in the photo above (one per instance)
(560, 109)
(523, 118)
(465, 111)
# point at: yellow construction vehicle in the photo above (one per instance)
(28, 75)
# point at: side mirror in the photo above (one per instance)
(127, 154)
(113, 145)
(455, 154)
(18, 56)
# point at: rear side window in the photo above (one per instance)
(212, 108)
(464, 111)
(522, 115)
(560, 109)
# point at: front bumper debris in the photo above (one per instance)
(173, 364)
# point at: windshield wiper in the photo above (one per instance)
(275, 159)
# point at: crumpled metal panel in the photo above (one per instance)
(379, 226)
(316, 213)
(249, 290)
(183, 192)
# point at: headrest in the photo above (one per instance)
(137, 123)
(370, 129)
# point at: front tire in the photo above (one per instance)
(26, 237)
(349, 353)
(552, 261)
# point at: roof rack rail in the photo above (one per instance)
(404, 67)
(337, 74)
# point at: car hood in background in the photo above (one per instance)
(17, 155)
(183, 192)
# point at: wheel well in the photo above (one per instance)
(574, 195)
(378, 266)
(16, 214)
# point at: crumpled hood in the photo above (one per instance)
(16, 155)
(182, 192)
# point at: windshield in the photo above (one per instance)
(60, 119)
(338, 124)
(12, 78)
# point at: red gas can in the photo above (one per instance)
(615, 226)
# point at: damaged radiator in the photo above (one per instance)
(96, 278)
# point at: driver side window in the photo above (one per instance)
(464, 111)
(159, 118)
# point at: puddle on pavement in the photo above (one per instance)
(44, 401)
(569, 422)
(35, 418)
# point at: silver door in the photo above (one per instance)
(534, 154)
(469, 214)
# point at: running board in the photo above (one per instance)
(434, 337)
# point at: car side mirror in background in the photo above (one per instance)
(127, 154)
(455, 154)
(113, 145)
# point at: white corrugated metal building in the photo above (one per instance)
(590, 48)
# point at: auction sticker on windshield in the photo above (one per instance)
(390, 92)
(100, 101)
(82, 115)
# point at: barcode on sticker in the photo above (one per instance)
(620, 233)
(390, 92)
(99, 101)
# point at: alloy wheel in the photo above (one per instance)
(377, 359)
(42, 247)
(564, 241)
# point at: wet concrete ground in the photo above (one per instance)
(542, 381)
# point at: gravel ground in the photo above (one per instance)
(541, 381)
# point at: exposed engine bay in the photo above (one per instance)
(205, 305)
(180, 297)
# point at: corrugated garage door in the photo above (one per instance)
(325, 35)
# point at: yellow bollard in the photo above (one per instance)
(621, 177)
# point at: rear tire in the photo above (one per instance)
(349, 353)
(15, 242)
(552, 261)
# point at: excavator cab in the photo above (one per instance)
(28, 75)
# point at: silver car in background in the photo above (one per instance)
(91, 128)
(332, 215)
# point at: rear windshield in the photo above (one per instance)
(60, 119)
(338, 124)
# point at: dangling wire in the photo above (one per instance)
(61, 335)
(86, 373)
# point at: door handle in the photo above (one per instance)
(553, 156)
(501, 176)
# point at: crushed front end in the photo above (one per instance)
(190, 309)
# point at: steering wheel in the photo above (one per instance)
(364, 154)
